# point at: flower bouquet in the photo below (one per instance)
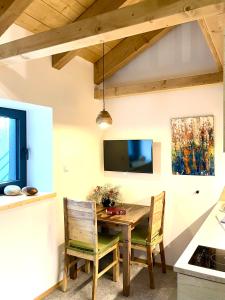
(107, 195)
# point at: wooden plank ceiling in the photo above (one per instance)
(9, 11)
(42, 15)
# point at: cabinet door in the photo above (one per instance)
(193, 288)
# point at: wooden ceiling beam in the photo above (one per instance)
(128, 21)
(99, 7)
(213, 33)
(213, 30)
(161, 85)
(10, 10)
(125, 51)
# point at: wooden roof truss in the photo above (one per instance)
(69, 28)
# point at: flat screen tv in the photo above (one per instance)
(128, 156)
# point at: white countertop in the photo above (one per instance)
(211, 234)
(8, 202)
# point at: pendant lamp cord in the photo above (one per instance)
(103, 72)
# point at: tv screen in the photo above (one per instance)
(128, 156)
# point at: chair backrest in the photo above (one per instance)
(80, 222)
(156, 217)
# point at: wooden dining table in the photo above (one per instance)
(126, 223)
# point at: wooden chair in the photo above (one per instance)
(147, 238)
(82, 241)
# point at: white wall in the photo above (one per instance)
(149, 116)
(224, 99)
(76, 165)
(29, 250)
(183, 51)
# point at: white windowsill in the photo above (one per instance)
(8, 202)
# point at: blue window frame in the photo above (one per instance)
(13, 148)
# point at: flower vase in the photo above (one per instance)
(107, 202)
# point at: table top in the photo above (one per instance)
(134, 213)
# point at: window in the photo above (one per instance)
(13, 149)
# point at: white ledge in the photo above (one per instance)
(8, 202)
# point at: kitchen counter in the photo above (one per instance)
(211, 234)
(196, 282)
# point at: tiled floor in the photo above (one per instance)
(109, 290)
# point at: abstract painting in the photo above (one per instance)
(193, 146)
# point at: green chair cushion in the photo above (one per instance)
(80, 245)
(139, 236)
(104, 243)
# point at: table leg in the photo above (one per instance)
(126, 259)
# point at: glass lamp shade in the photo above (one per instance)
(104, 119)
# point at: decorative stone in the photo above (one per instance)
(29, 190)
(12, 190)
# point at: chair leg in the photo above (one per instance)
(95, 279)
(150, 267)
(65, 273)
(153, 259)
(73, 269)
(162, 255)
(87, 266)
(116, 268)
(132, 254)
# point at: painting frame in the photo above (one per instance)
(193, 145)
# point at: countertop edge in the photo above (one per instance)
(26, 200)
(197, 274)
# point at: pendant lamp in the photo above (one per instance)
(103, 119)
